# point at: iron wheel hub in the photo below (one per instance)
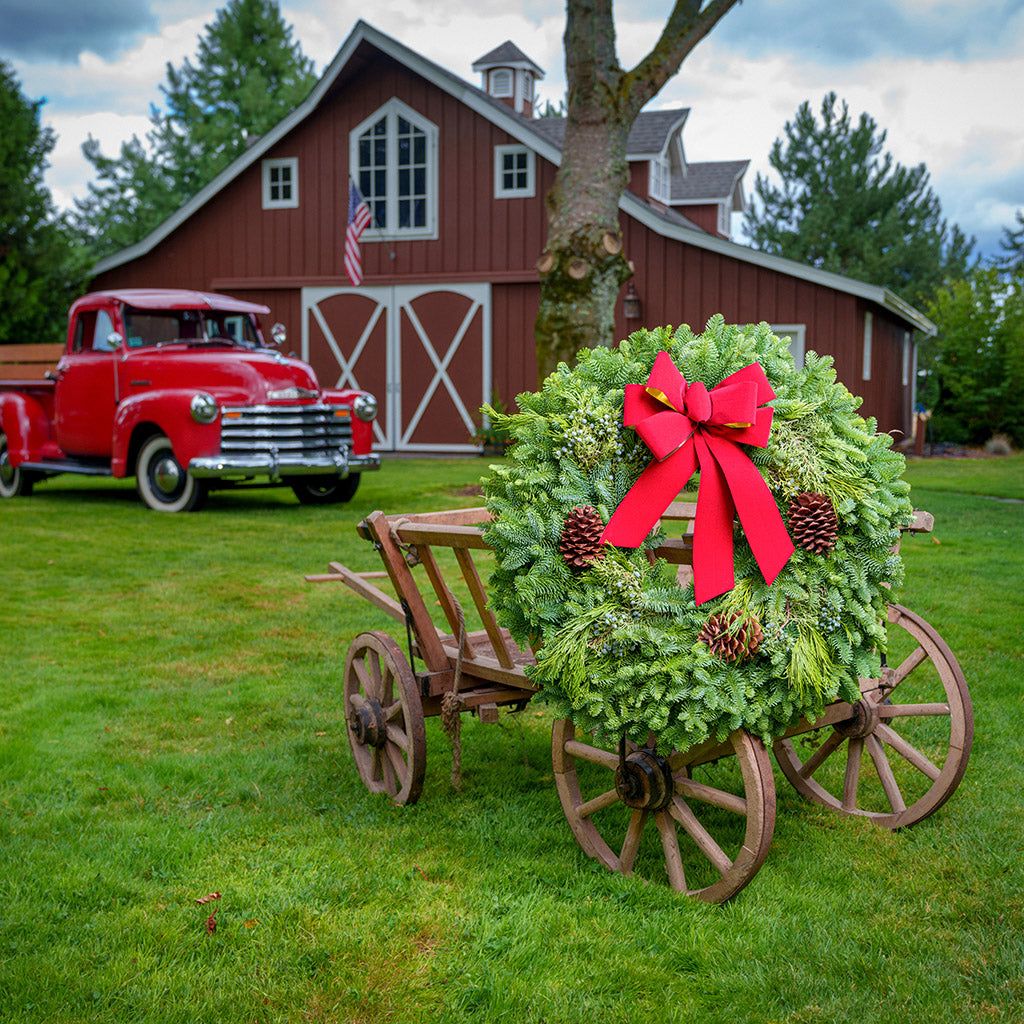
(643, 781)
(367, 723)
(862, 721)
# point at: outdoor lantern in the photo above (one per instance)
(631, 307)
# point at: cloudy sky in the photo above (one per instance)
(945, 78)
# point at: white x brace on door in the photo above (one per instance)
(423, 350)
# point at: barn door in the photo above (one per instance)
(424, 351)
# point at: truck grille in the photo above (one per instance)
(290, 431)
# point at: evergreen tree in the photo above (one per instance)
(248, 75)
(40, 268)
(844, 204)
(1012, 243)
(975, 364)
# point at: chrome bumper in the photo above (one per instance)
(279, 466)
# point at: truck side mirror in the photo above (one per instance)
(279, 333)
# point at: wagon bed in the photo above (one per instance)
(894, 756)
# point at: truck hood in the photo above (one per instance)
(231, 374)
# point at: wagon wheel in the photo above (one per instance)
(384, 718)
(712, 824)
(914, 723)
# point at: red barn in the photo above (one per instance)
(455, 177)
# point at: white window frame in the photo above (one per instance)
(865, 371)
(725, 218)
(797, 335)
(906, 358)
(291, 165)
(392, 111)
(502, 82)
(501, 191)
(659, 184)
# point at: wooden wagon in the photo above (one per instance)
(893, 757)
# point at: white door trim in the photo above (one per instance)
(391, 301)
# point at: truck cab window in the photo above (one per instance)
(92, 332)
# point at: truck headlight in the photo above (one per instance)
(365, 407)
(203, 407)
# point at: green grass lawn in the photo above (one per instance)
(170, 727)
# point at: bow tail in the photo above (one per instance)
(762, 524)
(648, 498)
(712, 530)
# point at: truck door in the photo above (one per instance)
(87, 397)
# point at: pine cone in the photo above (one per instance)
(813, 523)
(731, 640)
(580, 543)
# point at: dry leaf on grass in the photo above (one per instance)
(209, 898)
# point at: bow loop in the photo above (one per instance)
(688, 427)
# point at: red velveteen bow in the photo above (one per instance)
(687, 427)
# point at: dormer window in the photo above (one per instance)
(502, 82)
(660, 186)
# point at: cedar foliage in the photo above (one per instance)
(618, 645)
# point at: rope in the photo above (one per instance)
(452, 704)
(412, 556)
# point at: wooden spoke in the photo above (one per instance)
(599, 803)
(710, 795)
(908, 710)
(384, 718)
(712, 858)
(682, 813)
(929, 730)
(670, 847)
(907, 666)
(631, 843)
(605, 758)
(851, 780)
(885, 775)
(909, 753)
(830, 746)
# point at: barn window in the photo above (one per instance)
(393, 156)
(795, 335)
(280, 184)
(513, 172)
(660, 186)
(868, 325)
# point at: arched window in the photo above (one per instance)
(393, 158)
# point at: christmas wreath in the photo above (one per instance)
(789, 604)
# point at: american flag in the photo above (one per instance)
(358, 220)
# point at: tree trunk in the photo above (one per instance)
(583, 266)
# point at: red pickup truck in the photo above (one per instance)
(181, 390)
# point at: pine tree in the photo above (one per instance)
(40, 268)
(1012, 243)
(248, 74)
(844, 204)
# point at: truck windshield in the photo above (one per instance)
(163, 326)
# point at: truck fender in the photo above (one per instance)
(166, 412)
(24, 422)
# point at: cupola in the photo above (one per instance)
(509, 75)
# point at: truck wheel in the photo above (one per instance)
(13, 480)
(163, 484)
(326, 490)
